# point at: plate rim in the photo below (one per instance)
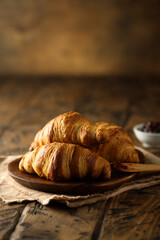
(70, 188)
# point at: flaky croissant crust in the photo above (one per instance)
(108, 140)
(70, 127)
(63, 162)
(118, 146)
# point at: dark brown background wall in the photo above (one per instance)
(79, 37)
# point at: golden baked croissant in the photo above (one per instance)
(70, 127)
(62, 162)
(118, 146)
(108, 140)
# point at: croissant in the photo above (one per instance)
(107, 140)
(70, 127)
(118, 146)
(62, 162)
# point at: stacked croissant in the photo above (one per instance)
(70, 147)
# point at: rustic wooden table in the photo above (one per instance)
(27, 103)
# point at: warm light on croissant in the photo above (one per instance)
(62, 162)
(70, 127)
(118, 146)
(107, 140)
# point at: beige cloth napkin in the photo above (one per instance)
(11, 191)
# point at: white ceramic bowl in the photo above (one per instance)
(148, 139)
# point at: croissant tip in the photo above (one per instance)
(30, 149)
(106, 172)
(32, 146)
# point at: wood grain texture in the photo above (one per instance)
(68, 37)
(122, 101)
(59, 222)
(27, 103)
(51, 99)
(133, 215)
(9, 217)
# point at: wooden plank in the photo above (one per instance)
(9, 216)
(99, 99)
(133, 215)
(50, 95)
(50, 100)
(92, 98)
(14, 94)
(59, 222)
(105, 101)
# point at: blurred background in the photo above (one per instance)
(69, 37)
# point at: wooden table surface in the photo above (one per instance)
(27, 103)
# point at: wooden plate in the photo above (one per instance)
(70, 188)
